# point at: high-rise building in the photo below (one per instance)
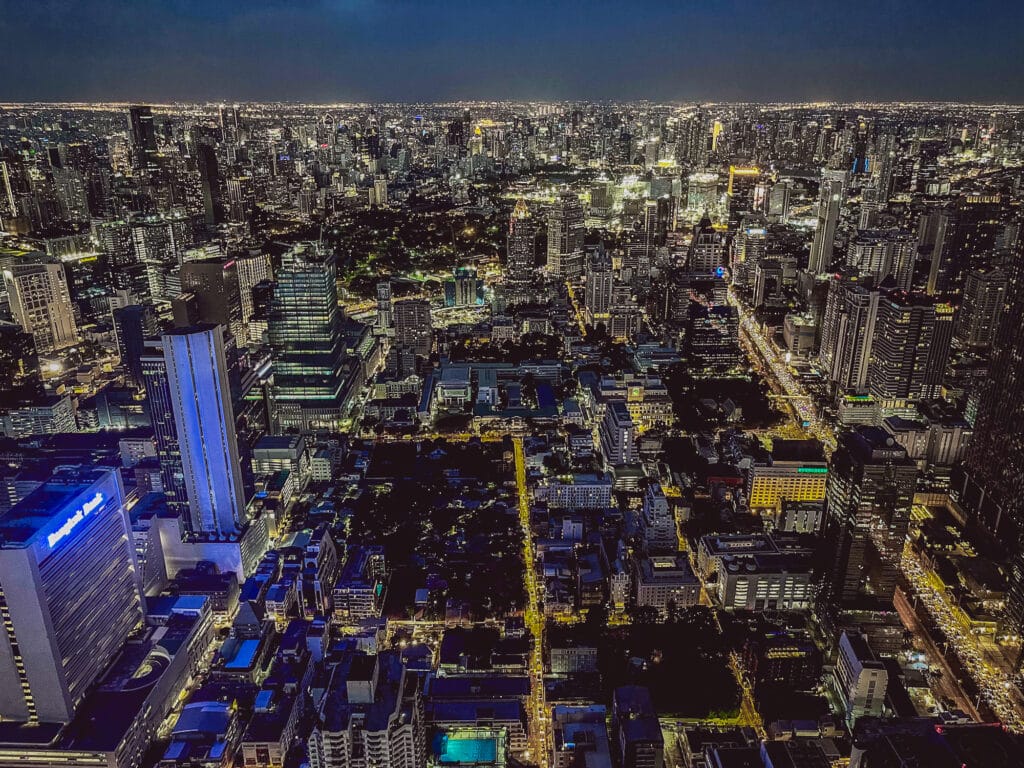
(143, 136)
(991, 483)
(881, 254)
(209, 178)
(565, 237)
(159, 407)
(618, 435)
(41, 304)
(831, 196)
(868, 498)
(414, 329)
(707, 249)
(913, 334)
(847, 334)
(520, 258)
(304, 329)
(197, 377)
(160, 243)
(741, 193)
(214, 284)
(600, 282)
(252, 268)
(982, 307)
(70, 592)
(131, 324)
(385, 312)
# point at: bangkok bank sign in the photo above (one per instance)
(75, 519)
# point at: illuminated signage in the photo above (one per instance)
(72, 522)
(812, 470)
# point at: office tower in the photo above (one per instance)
(165, 432)
(385, 313)
(197, 376)
(883, 166)
(982, 307)
(304, 329)
(778, 201)
(707, 249)
(831, 196)
(741, 193)
(911, 347)
(600, 280)
(160, 243)
(241, 198)
(768, 283)
(41, 304)
(960, 236)
(70, 592)
(209, 179)
(252, 268)
(215, 286)
(847, 334)
(143, 136)
(749, 247)
(520, 259)
(379, 192)
(414, 329)
(618, 435)
(565, 237)
(991, 483)
(131, 325)
(868, 497)
(881, 254)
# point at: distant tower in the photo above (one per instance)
(565, 237)
(521, 259)
(830, 199)
(143, 135)
(385, 312)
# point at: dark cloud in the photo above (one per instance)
(438, 49)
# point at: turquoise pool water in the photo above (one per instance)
(464, 751)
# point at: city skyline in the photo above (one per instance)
(390, 50)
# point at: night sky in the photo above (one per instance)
(406, 50)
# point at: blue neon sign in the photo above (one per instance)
(87, 508)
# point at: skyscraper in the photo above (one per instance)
(847, 334)
(41, 304)
(600, 281)
(565, 237)
(868, 497)
(991, 483)
(159, 406)
(707, 250)
(385, 313)
(911, 347)
(521, 261)
(143, 135)
(197, 377)
(982, 308)
(252, 268)
(831, 196)
(214, 284)
(70, 592)
(304, 330)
